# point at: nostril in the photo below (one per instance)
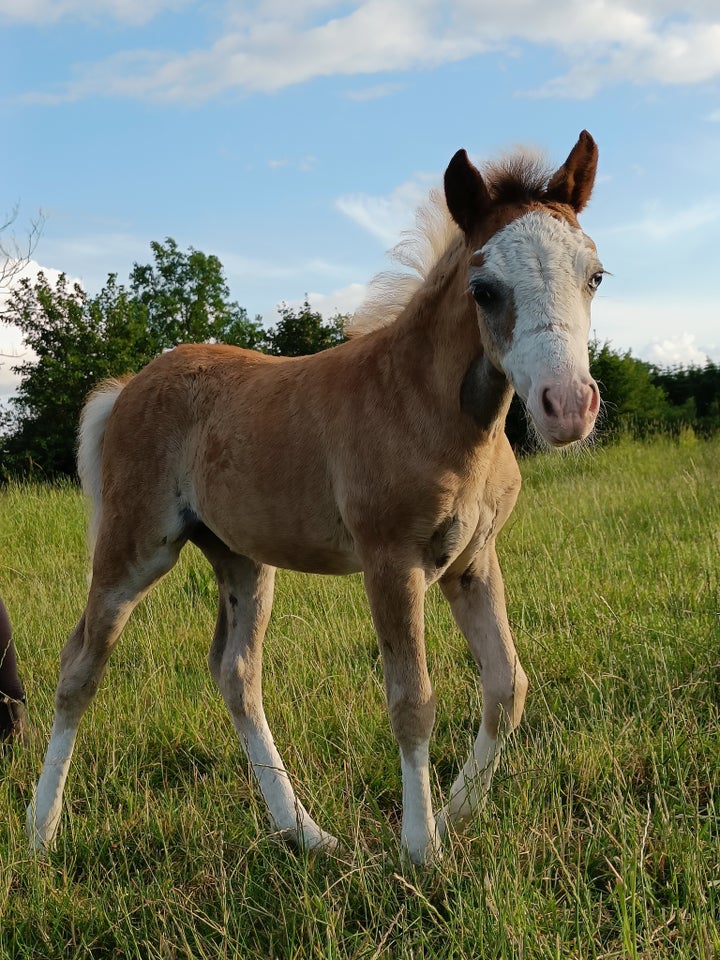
(547, 403)
(594, 405)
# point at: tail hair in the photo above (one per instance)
(91, 436)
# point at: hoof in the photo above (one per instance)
(41, 836)
(308, 839)
(38, 842)
(425, 854)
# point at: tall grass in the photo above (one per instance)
(601, 835)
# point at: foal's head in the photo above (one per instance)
(533, 273)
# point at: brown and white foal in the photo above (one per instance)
(384, 455)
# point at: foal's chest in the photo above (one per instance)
(474, 519)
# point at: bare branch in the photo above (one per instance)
(14, 254)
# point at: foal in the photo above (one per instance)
(384, 455)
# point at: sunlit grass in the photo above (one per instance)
(601, 837)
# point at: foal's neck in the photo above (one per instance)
(442, 336)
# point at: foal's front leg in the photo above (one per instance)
(397, 604)
(477, 599)
(246, 592)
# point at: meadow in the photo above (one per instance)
(600, 838)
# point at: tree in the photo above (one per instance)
(302, 332)
(627, 390)
(186, 299)
(694, 394)
(78, 340)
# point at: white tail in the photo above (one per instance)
(93, 421)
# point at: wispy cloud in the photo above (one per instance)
(43, 12)
(277, 44)
(377, 92)
(304, 165)
(385, 217)
(660, 225)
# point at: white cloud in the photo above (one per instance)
(677, 351)
(43, 12)
(661, 330)
(345, 300)
(29, 271)
(12, 352)
(672, 53)
(386, 217)
(274, 44)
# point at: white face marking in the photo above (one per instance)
(539, 272)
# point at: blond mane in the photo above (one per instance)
(419, 249)
(521, 175)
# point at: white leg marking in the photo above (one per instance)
(288, 815)
(420, 840)
(471, 785)
(43, 813)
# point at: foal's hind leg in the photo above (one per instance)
(246, 592)
(477, 601)
(82, 664)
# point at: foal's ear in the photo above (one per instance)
(573, 182)
(467, 196)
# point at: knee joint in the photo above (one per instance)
(412, 721)
(504, 700)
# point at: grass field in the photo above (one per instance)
(601, 836)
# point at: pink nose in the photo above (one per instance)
(569, 410)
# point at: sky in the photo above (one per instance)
(295, 138)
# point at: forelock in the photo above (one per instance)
(522, 177)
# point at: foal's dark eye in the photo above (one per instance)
(485, 294)
(596, 279)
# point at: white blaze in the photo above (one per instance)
(547, 265)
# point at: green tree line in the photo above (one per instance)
(77, 340)
(182, 297)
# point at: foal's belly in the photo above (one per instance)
(291, 542)
(307, 558)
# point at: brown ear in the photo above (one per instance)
(467, 196)
(573, 182)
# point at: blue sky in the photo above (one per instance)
(294, 139)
